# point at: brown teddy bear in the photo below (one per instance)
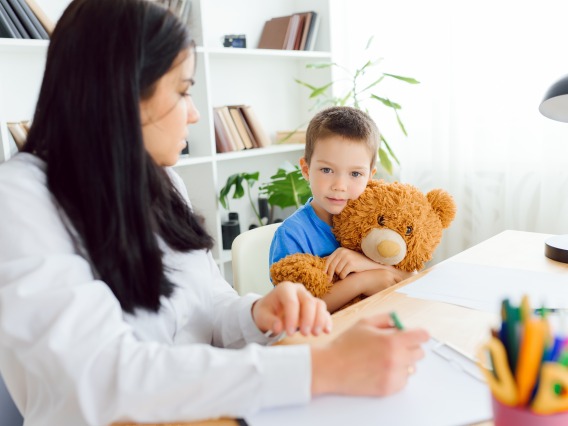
(391, 223)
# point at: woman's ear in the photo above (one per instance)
(144, 113)
(305, 167)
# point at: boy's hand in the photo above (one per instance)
(344, 261)
(371, 282)
(290, 307)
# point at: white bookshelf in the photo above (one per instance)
(261, 78)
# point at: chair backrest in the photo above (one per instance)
(250, 260)
(9, 414)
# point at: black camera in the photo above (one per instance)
(234, 40)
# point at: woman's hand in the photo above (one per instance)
(372, 357)
(290, 307)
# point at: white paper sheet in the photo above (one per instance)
(440, 393)
(484, 287)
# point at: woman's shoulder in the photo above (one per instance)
(23, 173)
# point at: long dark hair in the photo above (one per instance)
(104, 57)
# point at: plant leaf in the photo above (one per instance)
(373, 84)
(303, 83)
(386, 102)
(407, 79)
(251, 178)
(369, 42)
(286, 188)
(223, 194)
(321, 65)
(320, 90)
(400, 123)
(385, 161)
(390, 151)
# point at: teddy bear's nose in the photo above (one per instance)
(388, 248)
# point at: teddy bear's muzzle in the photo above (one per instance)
(384, 246)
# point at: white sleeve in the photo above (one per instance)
(69, 358)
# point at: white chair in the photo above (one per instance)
(250, 260)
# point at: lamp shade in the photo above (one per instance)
(555, 106)
(555, 102)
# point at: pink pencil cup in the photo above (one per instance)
(504, 415)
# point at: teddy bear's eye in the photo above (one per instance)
(408, 230)
(381, 220)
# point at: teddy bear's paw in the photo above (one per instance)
(304, 269)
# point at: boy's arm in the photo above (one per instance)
(344, 261)
(366, 283)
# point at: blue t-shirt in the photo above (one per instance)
(302, 232)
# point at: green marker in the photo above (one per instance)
(396, 321)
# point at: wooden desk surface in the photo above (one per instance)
(464, 328)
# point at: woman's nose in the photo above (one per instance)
(193, 115)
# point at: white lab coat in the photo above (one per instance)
(70, 356)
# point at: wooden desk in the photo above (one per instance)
(462, 327)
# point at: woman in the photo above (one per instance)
(111, 306)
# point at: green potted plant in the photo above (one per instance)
(362, 91)
(286, 188)
(236, 181)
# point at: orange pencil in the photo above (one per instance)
(530, 357)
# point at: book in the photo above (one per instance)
(7, 29)
(306, 29)
(239, 124)
(12, 145)
(255, 143)
(299, 31)
(29, 20)
(292, 32)
(233, 132)
(313, 32)
(255, 126)
(24, 19)
(275, 33)
(26, 124)
(43, 19)
(7, 145)
(18, 132)
(14, 21)
(223, 141)
(291, 136)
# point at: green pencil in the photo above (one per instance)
(396, 321)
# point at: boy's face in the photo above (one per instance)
(339, 171)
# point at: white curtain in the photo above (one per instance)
(473, 121)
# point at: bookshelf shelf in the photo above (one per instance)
(21, 45)
(188, 160)
(268, 53)
(261, 78)
(260, 152)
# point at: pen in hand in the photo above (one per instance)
(396, 321)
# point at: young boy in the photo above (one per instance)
(339, 160)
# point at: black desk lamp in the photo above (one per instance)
(555, 106)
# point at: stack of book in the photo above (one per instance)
(24, 19)
(237, 127)
(17, 134)
(293, 32)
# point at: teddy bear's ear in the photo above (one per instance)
(443, 204)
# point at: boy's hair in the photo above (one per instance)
(350, 123)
